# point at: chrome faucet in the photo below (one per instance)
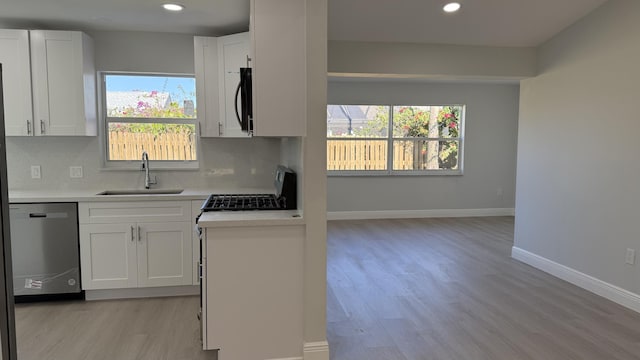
(145, 167)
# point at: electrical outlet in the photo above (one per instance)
(75, 171)
(35, 172)
(630, 258)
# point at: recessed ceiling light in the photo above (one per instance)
(451, 7)
(173, 7)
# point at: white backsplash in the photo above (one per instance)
(251, 160)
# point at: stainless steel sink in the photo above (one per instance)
(142, 192)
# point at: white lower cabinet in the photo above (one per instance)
(116, 255)
(164, 254)
(108, 256)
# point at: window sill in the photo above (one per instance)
(135, 166)
(395, 173)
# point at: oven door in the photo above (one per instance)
(201, 264)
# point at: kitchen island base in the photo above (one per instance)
(252, 291)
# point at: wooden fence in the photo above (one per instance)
(372, 155)
(341, 154)
(357, 154)
(129, 146)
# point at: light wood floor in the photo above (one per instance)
(140, 329)
(448, 289)
(397, 290)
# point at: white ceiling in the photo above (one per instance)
(201, 17)
(480, 22)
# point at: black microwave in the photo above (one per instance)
(244, 90)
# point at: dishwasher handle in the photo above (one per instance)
(50, 215)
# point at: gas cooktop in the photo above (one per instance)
(238, 202)
(283, 199)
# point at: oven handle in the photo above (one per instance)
(236, 103)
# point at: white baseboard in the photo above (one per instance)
(316, 350)
(412, 214)
(112, 294)
(614, 293)
(312, 351)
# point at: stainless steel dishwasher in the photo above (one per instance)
(45, 251)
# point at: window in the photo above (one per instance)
(394, 140)
(152, 113)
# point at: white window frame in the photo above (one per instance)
(390, 172)
(135, 164)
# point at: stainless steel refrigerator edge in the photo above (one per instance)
(7, 316)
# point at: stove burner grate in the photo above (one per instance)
(237, 202)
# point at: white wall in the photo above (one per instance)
(139, 52)
(490, 149)
(315, 185)
(143, 51)
(372, 59)
(56, 154)
(577, 198)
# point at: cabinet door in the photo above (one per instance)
(16, 81)
(108, 256)
(206, 69)
(233, 53)
(164, 254)
(62, 71)
(278, 30)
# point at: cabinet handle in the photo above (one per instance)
(219, 128)
(42, 127)
(139, 236)
(28, 127)
(248, 61)
(133, 235)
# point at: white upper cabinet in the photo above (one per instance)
(206, 69)
(233, 54)
(49, 83)
(278, 59)
(217, 65)
(16, 81)
(64, 83)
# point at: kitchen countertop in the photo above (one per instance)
(32, 196)
(250, 218)
(208, 219)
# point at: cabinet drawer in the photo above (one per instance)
(147, 211)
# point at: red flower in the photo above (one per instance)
(401, 110)
(423, 152)
(406, 127)
(447, 116)
(452, 125)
